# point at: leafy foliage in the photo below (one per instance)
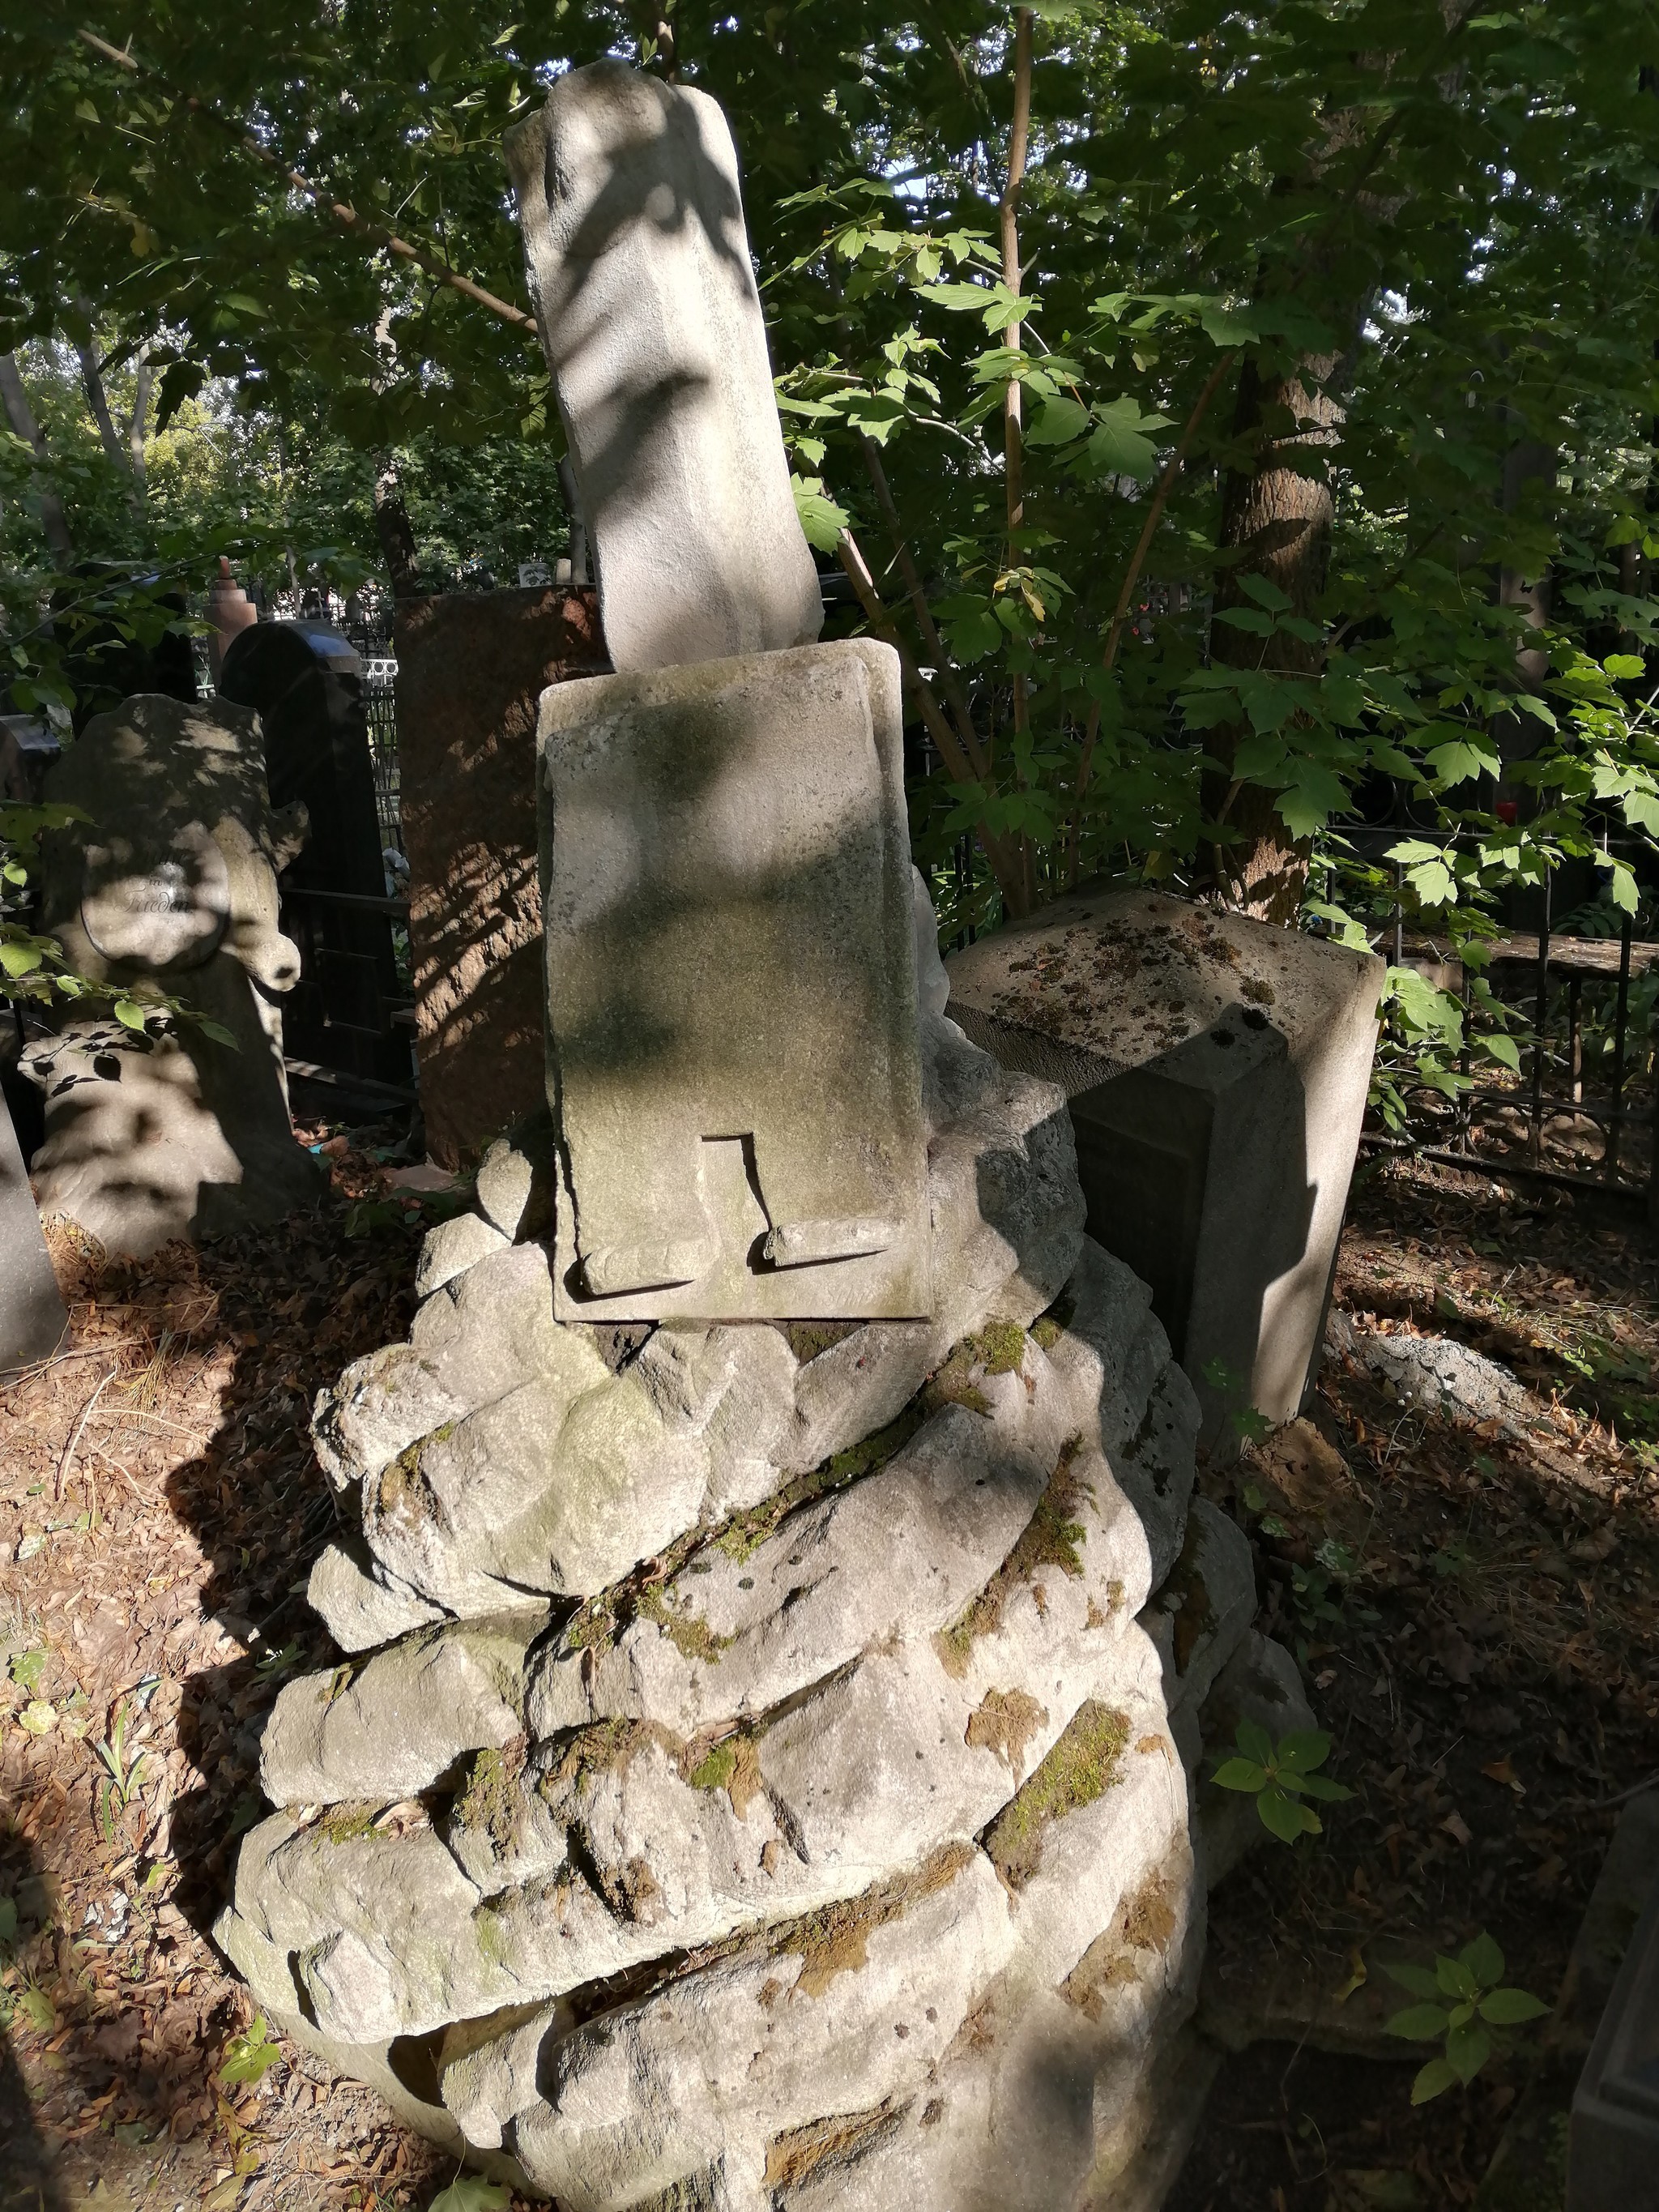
(250, 2056)
(1280, 1776)
(1461, 2001)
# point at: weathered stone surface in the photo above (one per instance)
(497, 1452)
(731, 1012)
(471, 668)
(1215, 1069)
(33, 1320)
(356, 1607)
(1204, 1610)
(1439, 1375)
(851, 2003)
(397, 1723)
(506, 1178)
(639, 268)
(452, 1246)
(171, 885)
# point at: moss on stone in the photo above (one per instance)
(1049, 1538)
(954, 1384)
(731, 1765)
(1001, 1349)
(489, 1805)
(1048, 1329)
(690, 1636)
(403, 1493)
(807, 1339)
(715, 1769)
(1081, 1766)
(344, 1824)
(608, 1747)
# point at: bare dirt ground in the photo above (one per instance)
(1480, 1642)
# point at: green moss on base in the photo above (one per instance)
(692, 1638)
(1081, 1766)
(1049, 1538)
(344, 1824)
(1001, 1349)
(490, 1804)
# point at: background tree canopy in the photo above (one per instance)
(1254, 446)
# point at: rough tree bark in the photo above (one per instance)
(395, 531)
(1276, 513)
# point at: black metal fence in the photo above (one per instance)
(1582, 1109)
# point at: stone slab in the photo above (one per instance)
(1216, 1068)
(640, 270)
(33, 1319)
(732, 1030)
(472, 667)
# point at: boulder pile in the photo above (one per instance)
(761, 1770)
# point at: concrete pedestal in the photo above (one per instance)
(1216, 1070)
(33, 1319)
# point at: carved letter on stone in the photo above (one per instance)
(731, 993)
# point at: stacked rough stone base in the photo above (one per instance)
(766, 1777)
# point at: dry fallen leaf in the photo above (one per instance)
(1501, 1771)
(1458, 1829)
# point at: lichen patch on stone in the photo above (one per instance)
(1081, 1766)
(795, 2157)
(833, 1940)
(1005, 1723)
(488, 1804)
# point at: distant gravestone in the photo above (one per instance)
(33, 1318)
(639, 267)
(1215, 1069)
(472, 667)
(303, 680)
(27, 749)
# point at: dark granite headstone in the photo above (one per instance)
(1612, 2155)
(303, 680)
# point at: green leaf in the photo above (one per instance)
(17, 958)
(471, 2192)
(1056, 422)
(1254, 1740)
(1455, 1978)
(821, 520)
(1508, 2007)
(1422, 2023)
(1304, 1749)
(1283, 1817)
(1435, 2076)
(217, 1032)
(1256, 620)
(1484, 1961)
(1240, 1774)
(1119, 445)
(1624, 667)
(1468, 2047)
(1505, 1050)
(1322, 1787)
(251, 2057)
(1461, 760)
(129, 1013)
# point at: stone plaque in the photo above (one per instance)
(733, 1058)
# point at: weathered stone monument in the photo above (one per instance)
(781, 1636)
(1215, 1069)
(472, 669)
(33, 1318)
(169, 884)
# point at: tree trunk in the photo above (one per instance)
(1277, 515)
(143, 383)
(395, 531)
(92, 379)
(53, 520)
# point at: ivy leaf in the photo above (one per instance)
(1460, 759)
(1314, 795)
(1119, 445)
